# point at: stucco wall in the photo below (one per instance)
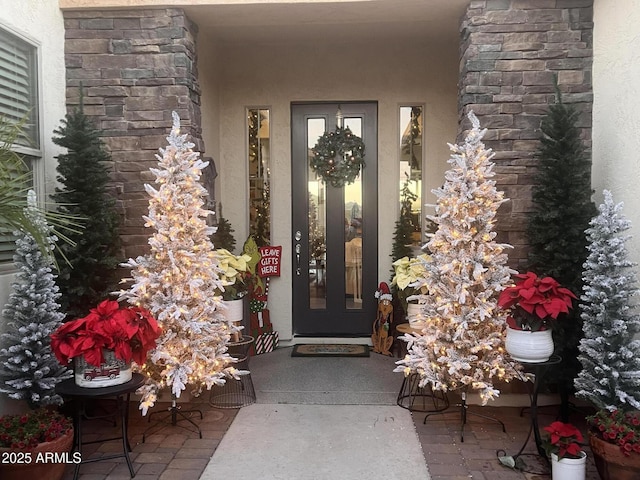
(616, 108)
(40, 22)
(273, 75)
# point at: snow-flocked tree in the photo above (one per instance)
(609, 354)
(462, 344)
(28, 368)
(178, 279)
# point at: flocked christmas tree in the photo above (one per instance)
(178, 279)
(28, 369)
(609, 353)
(462, 344)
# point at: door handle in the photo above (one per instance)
(298, 237)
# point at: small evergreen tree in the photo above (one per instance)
(223, 236)
(609, 354)
(28, 369)
(562, 209)
(89, 275)
(402, 237)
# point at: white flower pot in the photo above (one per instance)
(568, 468)
(234, 310)
(415, 316)
(529, 347)
(233, 314)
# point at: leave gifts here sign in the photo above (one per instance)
(269, 264)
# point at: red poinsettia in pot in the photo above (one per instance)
(533, 304)
(563, 445)
(105, 342)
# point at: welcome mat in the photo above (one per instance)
(330, 350)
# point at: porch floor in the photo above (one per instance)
(176, 453)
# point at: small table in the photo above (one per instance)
(236, 393)
(413, 397)
(68, 388)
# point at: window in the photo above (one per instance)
(19, 104)
(410, 155)
(259, 139)
(18, 86)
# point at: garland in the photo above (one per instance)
(338, 157)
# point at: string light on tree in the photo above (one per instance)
(178, 278)
(462, 344)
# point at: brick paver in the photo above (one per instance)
(174, 453)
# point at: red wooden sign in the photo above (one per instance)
(269, 265)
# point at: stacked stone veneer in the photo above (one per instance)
(136, 67)
(510, 51)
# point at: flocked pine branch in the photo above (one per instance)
(28, 369)
(462, 344)
(609, 354)
(178, 279)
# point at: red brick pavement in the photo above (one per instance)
(174, 453)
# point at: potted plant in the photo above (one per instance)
(614, 438)
(533, 304)
(563, 444)
(103, 343)
(234, 270)
(408, 283)
(26, 438)
(610, 351)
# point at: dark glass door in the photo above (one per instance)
(335, 230)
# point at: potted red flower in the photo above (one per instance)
(104, 343)
(533, 304)
(614, 437)
(563, 445)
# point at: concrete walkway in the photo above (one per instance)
(320, 442)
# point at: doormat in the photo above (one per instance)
(330, 350)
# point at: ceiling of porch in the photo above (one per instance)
(435, 21)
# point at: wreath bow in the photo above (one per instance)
(338, 157)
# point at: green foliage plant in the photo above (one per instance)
(562, 210)
(83, 174)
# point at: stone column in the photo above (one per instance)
(510, 51)
(135, 67)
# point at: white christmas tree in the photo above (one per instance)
(28, 369)
(609, 354)
(178, 280)
(462, 343)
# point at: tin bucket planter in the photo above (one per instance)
(112, 372)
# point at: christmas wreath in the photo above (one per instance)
(338, 157)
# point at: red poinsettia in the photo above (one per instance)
(130, 332)
(563, 440)
(534, 301)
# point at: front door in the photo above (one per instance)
(335, 229)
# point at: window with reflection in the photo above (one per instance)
(411, 161)
(259, 140)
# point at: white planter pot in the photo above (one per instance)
(233, 313)
(529, 347)
(569, 468)
(112, 372)
(234, 310)
(415, 316)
